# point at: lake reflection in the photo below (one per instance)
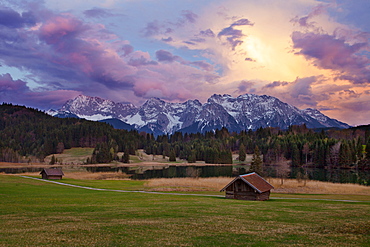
(172, 171)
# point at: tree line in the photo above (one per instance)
(27, 134)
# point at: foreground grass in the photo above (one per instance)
(37, 213)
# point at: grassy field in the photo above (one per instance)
(37, 213)
(73, 155)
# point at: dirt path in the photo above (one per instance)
(171, 193)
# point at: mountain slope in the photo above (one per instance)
(156, 116)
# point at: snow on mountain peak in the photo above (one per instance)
(247, 111)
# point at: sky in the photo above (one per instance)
(308, 53)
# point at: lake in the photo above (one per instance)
(173, 171)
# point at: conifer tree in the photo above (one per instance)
(256, 164)
(242, 154)
(172, 156)
(53, 160)
(126, 157)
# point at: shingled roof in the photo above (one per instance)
(52, 172)
(253, 180)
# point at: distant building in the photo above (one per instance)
(52, 173)
(248, 187)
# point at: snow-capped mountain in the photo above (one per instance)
(324, 120)
(95, 108)
(156, 116)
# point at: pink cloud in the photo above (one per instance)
(73, 57)
(330, 52)
(60, 27)
(17, 92)
(7, 84)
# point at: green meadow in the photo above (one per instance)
(38, 213)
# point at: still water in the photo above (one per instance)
(169, 171)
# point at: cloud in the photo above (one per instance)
(276, 84)
(234, 36)
(166, 56)
(207, 33)
(245, 87)
(67, 55)
(183, 51)
(17, 92)
(127, 49)
(332, 53)
(300, 92)
(7, 84)
(13, 19)
(203, 65)
(98, 13)
(60, 28)
(242, 22)
(306, 21)
(189, 16)
(169, 39)
(357, 106)
(348, 94)
(152, 28)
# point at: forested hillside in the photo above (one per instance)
(28, 134)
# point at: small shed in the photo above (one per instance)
(248, 187)
(52, 173)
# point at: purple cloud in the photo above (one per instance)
(203, 65)
(7, 84)
(189, 16)
(242, 22)
(140, 61)
(249, 59)
(245, 87)
(305, 20)
(127, 49)
(230, 31)
(66, 56)
(207, 33)
(165, 56)
(13, 19)
(17, 92)
(299, 92)
(97, 13)
(276, 84)
(329, 52)
(152, 28)
(169, 39)
(234, 35)
(357, 106)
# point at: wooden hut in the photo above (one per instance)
(248, 187)
(52, 173)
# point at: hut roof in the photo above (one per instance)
(253, 180)
(52, 171)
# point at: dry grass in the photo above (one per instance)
(317, 187)
(187, 184)
(85, 175)
(289, 186)
(216, 183)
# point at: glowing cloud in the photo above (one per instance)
(308, 53)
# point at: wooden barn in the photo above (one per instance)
(248, 187)
(52, 173)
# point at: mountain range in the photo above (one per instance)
(247, 111)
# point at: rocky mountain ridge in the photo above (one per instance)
(248, 111)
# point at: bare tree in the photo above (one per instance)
(282, 168)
